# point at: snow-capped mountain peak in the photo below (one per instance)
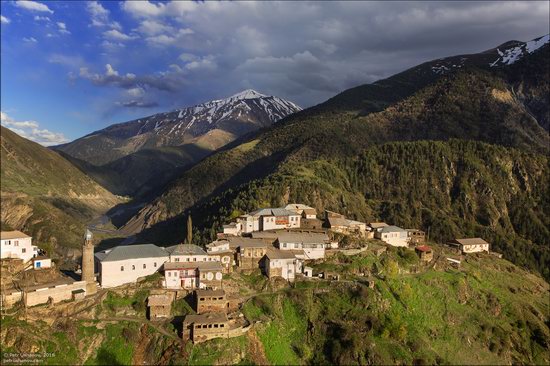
(247, 94)
(510, 55)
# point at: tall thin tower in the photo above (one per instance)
(88, 263)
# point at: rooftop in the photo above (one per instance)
(159, 300)
(210, 292)
(185, 249)
(302, 237)
(391, 229)
(377, 225)
(273, 212)
(205, 318)
(15, 234)
(279, 254)
(471, 241)
(241, 242)
(124, 252)
(202, 266)
(423, 248)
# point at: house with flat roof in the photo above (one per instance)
(392, 235)
(470, 245)
(125, 264)
(193, 275)
(15, 244)
(211, 301)
(160, 306)
(202, 327)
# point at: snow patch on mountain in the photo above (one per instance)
(513, 54)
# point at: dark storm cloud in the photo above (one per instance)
(305, 51)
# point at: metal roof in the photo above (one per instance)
(279, 254)
(471, 241)
(273, 212)
(201, 265)
(185, 249)
(302, 237)
(124, 252)
(391, 229)
(15, 234)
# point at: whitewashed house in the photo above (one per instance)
(393, 235)
(269, 219)
(41, 262)
(15, 244)
(125, 264)
(233, 228)
(470, 245)
(193, 275)
(187, 253)
(221, 251)
(312, 244)
(280, 263)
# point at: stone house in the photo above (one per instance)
(248, 252)
(305, 211)
(416, 236)
(202, 327)
(220, 250)
(159, 306)
(470, 245)
(211, 301)
(15, 244)
(392, 235)
(125, 264)
(279, 263)
(193, 275)
(424, 252)
(339, 223)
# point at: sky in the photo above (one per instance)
(69, 68)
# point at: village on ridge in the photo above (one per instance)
(284, 243)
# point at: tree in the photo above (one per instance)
(189, 230)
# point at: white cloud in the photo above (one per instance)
(152, 27)
(30, 40)
(116, 35)
(204, 63)
(31, 130)
(164, 40)
(63, 28)
(41, 18)
(100, 17)
(4, 20)
(33, 6)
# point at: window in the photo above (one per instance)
(24, 250)
(216, 326)
(295, 245)
(121, 268)
(133, 267)
(16, 243)
(194, 259)
(169, 274)
(284, 245)
(155, 264)
(7, 242)
(144, 266)
(222, 325)
(177, 259)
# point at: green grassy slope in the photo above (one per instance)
(44, 195)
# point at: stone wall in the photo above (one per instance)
(57, 293)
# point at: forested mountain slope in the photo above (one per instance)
(468, 104)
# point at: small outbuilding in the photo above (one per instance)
(424, 252)
(159, 306)
(208, 301)
(200, 328)
(41, 262)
